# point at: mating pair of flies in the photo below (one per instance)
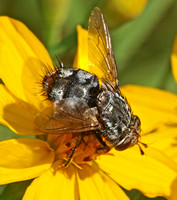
(81, 104)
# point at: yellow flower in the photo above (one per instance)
(174, 59)
(89, 176)
(120, 10)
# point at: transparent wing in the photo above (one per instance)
(67, 116)
(100, 53)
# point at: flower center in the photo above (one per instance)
(87, 150)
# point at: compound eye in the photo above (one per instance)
(122, 145)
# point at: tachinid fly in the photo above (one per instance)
(81, 103)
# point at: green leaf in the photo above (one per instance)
(6, 134)
(54, 14)
(137, 195)
(14, 191)
(143, 46)
(65, 45)
(2, 188)
(25, 11)
(78, 15)
(132, 35)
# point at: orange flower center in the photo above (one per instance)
(87, 150)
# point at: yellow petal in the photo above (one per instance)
(94, 184)
(22, 57)
(81, 59)
(164, 139)
(23, 159)
(152, 174)
(127, 9)
(173, 195)
(174, 59)
(54, 185)
(153, 106)
(16, 114)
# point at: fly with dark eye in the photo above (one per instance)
(81, 104)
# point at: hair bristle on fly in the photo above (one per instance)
(48, 77)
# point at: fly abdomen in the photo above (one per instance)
(114, 115)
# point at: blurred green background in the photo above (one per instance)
(142, 35)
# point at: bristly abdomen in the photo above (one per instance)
(48, 81)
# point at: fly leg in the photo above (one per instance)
(104, 147)
(79, 140)
(100, 140)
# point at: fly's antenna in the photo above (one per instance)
(141, 150)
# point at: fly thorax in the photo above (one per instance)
(76, 84)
